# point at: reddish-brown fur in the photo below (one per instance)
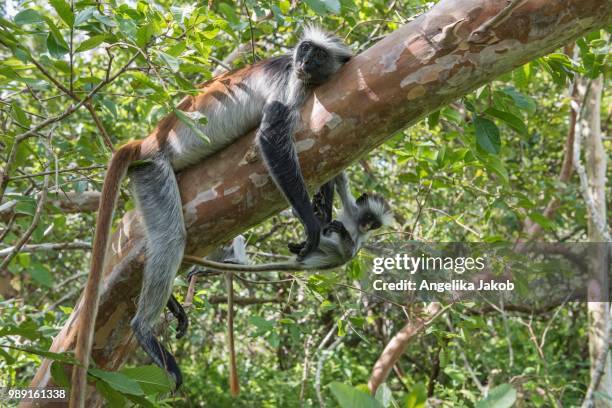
(233, 371)
(118, 166)
(116, 170)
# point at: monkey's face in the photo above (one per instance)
(369, 222)
(374, 212)
(313, 64)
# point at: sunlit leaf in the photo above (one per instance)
(349, 397)
(487, 135)
(63, 10)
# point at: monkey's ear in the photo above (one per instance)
(362, 198)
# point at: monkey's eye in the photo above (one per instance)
(320, 53)
(376, 225)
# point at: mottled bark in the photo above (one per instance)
(417, 69)
(593, 185)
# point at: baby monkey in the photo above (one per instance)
(340, 239)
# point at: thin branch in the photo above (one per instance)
(44, 173)
(42, 198)
(248, 13)
(61, 246)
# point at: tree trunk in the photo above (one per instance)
(438, 57)
(589, 132)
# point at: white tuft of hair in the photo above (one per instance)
(380, 209)
(328, 41)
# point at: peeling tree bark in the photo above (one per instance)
(593, 186)
(415, 70)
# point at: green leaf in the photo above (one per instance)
(115, 399)
(28, 16)
(84, 15)
(26, 205)
(173, 63)
(384, 396)
(433, 119)
(487, 135)
(332, 5)
(152, 379)
(61, 357)
(27, 329)
(511, 120)
(63, 10)
(262, 324)
(350, 397)
(417, 397)
(59, 375)
(90, 43)
(117, 381)
(19, 115)
(542, 220)
(521, 101)
(229, 13)
(56, 49)
(318, 6)
(502, 396)
(41, 275)
(494, 164)
(191, 123)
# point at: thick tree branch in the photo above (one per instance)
(415, 70)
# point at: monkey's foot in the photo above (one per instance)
(157, 352)
(337, 227)
(295, 248)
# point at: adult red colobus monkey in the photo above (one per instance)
(268, 94)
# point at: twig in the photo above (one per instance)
(220, 63)
(62, 246)
(42, 198)
(306, 367)
(325, 354)
(44, 173)
(473, 231)
(248, 13)
(4, 174)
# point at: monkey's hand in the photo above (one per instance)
(337, 227)
(296, 248)
(312, 241)
(199, 271)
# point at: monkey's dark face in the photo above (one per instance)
(369, 222)
(374, 212)
(314, 65)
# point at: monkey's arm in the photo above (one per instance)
(181, 317)
(322, 204)
(344, 191)
(276, 143)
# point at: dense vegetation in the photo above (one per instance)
(475, 170)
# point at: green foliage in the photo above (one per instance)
(502, 396)
(473, 170)
(349, 397)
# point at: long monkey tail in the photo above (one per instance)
(117, 170)
(234, 383)
(290, 266)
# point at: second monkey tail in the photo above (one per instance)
(115, 173)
